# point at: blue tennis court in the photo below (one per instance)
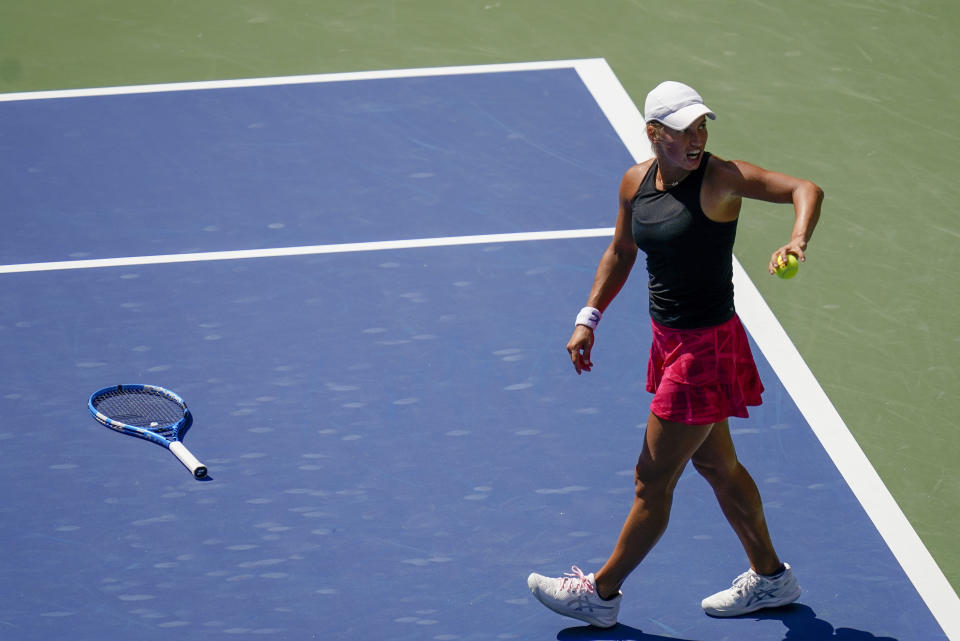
(394, 433)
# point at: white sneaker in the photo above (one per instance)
(575, 595)
(751, 592)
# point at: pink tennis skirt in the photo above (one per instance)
(702, 376)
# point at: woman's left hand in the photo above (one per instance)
(791, 248)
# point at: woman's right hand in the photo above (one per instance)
(579, 348)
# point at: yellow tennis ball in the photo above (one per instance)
(787, 268)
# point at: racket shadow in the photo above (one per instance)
(186, 426)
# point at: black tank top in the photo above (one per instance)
(689, 256)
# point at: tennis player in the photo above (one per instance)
(681, 208)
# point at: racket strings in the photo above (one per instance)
(140, 408)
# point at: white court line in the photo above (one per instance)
(308, 250)
(298, 80)
(783, 356)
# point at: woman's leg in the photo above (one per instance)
(716, 460)
(667, 447)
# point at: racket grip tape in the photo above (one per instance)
(198, 469)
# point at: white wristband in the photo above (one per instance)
(590, 317)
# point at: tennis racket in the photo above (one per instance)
(148, 412)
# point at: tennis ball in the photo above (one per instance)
(787, 268)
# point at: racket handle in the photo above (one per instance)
(198, 469)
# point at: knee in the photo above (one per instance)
(653, 485)
(717, 472)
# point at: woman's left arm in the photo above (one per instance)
(760, 184)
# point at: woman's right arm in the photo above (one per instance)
(613, 270)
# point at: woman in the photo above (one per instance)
(681, 208)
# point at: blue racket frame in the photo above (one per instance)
(166, 435)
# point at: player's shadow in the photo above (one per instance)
(800, 620)
(619, 632)
(803, 625)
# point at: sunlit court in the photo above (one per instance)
(361, 285)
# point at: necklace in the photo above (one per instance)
(666, 184)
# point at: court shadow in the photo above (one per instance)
(619, 632)
(803, 625)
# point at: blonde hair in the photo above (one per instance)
(654, 130)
